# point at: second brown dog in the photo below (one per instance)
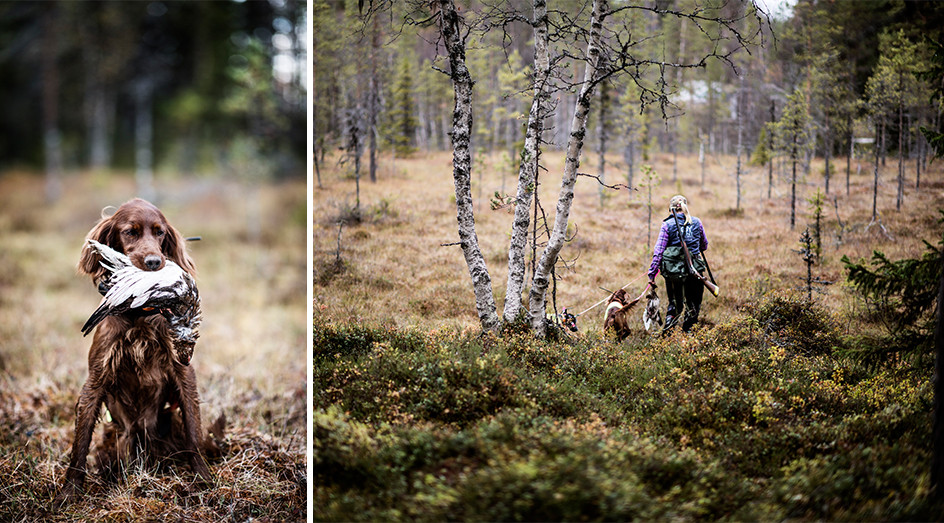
(616, 317)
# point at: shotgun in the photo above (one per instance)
(712, 288)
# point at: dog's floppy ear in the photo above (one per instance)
(174, 247)
(89, 260)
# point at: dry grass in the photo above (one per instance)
(250, 360)
(394, 270)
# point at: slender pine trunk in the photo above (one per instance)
(740, 128)
(770, 147)
(793, 182)
(875, 184)
(901, 148)
(851, 153)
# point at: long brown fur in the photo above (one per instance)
(617, 319)
(153, 401)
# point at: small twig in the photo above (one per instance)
(842, 226)
(449, 244)
(337, 258)
(882, 226)
(615, 187)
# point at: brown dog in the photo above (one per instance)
(152, 399)
(616, 317)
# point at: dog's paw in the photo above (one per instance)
(68, 494)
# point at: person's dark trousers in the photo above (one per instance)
(684, 298)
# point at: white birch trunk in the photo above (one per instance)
(527, 171)
(578, 132)
(449, 27)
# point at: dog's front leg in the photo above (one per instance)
(86, 409)
(193, 428)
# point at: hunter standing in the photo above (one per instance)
(684, 289)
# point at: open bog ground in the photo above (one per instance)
(250, 360)
(395, 269)
(765, 412)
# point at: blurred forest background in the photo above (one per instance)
(148, 85)
(199, 107)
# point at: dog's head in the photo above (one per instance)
(139, 230)
(619, 296)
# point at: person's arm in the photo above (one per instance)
(661, 243)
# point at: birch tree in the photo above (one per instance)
(451, 30)
(527, 170)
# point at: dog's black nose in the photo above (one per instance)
(152, 262)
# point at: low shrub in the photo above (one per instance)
(758, 417)
(796, 324)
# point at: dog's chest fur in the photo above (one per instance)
(139, 363)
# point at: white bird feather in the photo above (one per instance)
(170, 291)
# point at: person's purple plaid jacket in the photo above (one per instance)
(663, 241)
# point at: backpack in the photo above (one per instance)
(673, 261)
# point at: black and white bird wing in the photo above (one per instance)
(131, 288)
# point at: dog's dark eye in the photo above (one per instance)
(159, 233)
(130, 232)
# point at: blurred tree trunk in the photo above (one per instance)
(144, 139)
(793, 181)
(740, 132)
(849, 123)
(829, 149)
(450, 27)
(373, 100)
(770, 145)
(578, 129)
(629, 156)
(52, 139)
(99, 116)
(875, 184)
(527, 170)
(604, 133)
(899, 195)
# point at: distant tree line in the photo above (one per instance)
(838, 70)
